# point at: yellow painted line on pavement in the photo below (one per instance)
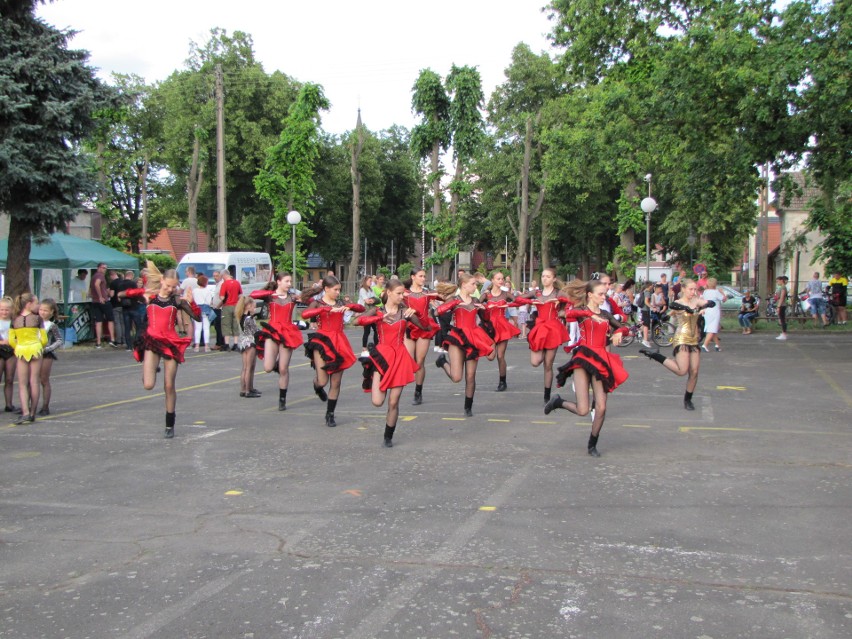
(453, 419)
(635, 426)
(733, 388)
(488, 508)
(689, 429)
(500, 420)
(135, 399)
(828, 379)
(536, 422)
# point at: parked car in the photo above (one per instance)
(734, 300)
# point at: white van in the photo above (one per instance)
(251, 270)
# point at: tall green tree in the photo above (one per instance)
(430, 138)
(286, 179)
(49, 95)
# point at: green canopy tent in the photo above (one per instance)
(69, 253)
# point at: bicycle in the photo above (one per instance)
(662, 332)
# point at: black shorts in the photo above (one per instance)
(102, 312)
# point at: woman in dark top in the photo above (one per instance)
(748, 311)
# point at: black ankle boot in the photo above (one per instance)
(468, 406)
(389, 436)
(441, 361)
(418, 398)
(593, 446)
(282, 399)
(320, 391)
(170, 425)
(546, 394)
(329, 420)
(687, 401)
(657, 357)
(502, 385)
(554, 403)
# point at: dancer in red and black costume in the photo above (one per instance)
(279, 336)
(159, 340)
(328, 349)
(590, 364)
(420, 335)
(549, 333)
(390, 366)
(497, 299)
(465, 342)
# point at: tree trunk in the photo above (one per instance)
(18, 259)
(144, 177)
(193, 187)
(628, 237)
(355, 155)
(436, 198)
(545, 244)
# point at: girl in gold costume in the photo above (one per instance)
(28, 337)
(687, 357)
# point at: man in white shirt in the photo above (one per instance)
(816, 299)
(79, 287)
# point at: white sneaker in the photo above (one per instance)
(365, 354)
(437, 349)
(781, 337)
(646, 344)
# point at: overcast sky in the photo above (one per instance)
(365, 53)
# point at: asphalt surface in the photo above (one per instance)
(731, 521)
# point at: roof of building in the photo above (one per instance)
(176, 242)
(809, 192)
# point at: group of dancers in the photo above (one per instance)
(405, 314)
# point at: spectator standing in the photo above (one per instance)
(189, 283)
(114, 286)
(230, 293)
(781, 303)
(368, 298)
(713, 314)
(816, 299)
(101, 307)
(203, 295)
(217, 309)
(664, 282)
(838, 285)
(129, 307)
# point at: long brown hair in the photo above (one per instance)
(20, 302)
(329, 281)
(578, 291)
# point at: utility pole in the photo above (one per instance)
(221, 211)
(763, 269)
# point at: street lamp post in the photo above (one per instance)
(648, 206)
(293, 219)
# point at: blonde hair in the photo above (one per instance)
(243, 303)
(557, 283)
(712, 282)
(577, 290)
(155, 277)
(21, 301)
(447, 290)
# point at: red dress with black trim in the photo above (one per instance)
(329, 340)
(549, 332)
(159, 335)
(420, 303)
(465, 332)
(390, 356)
(280, 328)
(590, 354)
(494, 321)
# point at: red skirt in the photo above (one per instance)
(287, 336)
(474, 343)
(598, 363)
(432, 328)
(334, 349)
(394, 364)
(169, 348)
(547, 335)
(501, 330)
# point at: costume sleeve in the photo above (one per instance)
(13, 338)
(134, 292)
(576, 314)
(358, 308)
(372, 318)
(191, 308)
(447, 306)
(677, 306)
(262, 294)
(54, 340)
(42, 337)
(314, 310)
